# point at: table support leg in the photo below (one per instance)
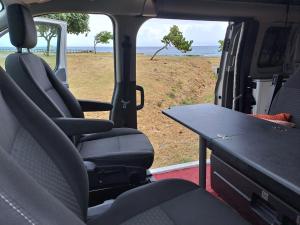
(202, 163)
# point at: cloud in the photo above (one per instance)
(97, 24)
(151, 32)
(201, 32)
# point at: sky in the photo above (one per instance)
(201, 32)
(151, 32)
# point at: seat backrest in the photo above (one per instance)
(287, 100)
(41, 150)
(32, 73)
(24, 202)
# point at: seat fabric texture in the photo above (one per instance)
(119, 145)
(37, 80)
(168, 202)
(287, 99)
(42, 150)
(43, 179)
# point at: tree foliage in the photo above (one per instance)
(221, 45)
(102, 38)
(78, 23)
(175, 38)
(47, 32)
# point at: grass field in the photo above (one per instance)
(3, 55)
(50, 59)
(167, 81)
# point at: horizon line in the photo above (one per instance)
(144, 46)
(101, 46)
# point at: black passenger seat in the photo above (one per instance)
(120, 146)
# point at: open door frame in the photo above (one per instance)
(233, 84)
(61, 59)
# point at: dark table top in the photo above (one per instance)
(212, 122)
(266, 152)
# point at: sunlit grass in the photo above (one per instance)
(51, 60)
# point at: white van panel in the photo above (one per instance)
(263, 96)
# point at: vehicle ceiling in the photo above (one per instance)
(292, 2)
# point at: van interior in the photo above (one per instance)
(59, 166)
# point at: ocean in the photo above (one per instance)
(206, 51)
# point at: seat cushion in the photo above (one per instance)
(121, 146)
(168, 202)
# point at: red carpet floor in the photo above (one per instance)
(190, 174)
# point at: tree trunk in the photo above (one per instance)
(95, 50)
(48, 48)
(158, 52)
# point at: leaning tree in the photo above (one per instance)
(175, 38)
(102, 38)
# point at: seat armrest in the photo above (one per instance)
(94, 106)
(90, 166)
(77, 126)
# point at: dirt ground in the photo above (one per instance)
(167, 81)
(172, 81)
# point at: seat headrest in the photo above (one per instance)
(21, 27)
